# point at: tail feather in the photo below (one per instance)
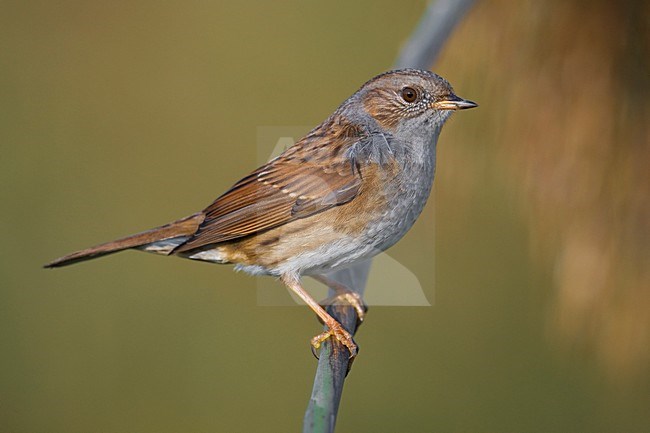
(159, 239)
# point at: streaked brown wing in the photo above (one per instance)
(285, 189)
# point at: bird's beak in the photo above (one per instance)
(453, 102)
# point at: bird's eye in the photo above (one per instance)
(409, 94)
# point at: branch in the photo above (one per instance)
(420, 51)
(334, 358)
(422, 48)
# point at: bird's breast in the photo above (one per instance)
(389, 201)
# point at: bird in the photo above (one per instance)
(348, 190)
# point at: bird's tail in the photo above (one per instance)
(161, 240)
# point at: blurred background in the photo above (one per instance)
(120, 116)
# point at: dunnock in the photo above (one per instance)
(349, 189)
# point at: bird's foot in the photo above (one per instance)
(349, 298)
(336, 331)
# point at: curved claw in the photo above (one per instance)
(314, 352)
(341, 335)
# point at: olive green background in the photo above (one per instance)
(119, 116)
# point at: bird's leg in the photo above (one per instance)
(343, 293)
(334, 328)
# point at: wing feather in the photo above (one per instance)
(287, 188)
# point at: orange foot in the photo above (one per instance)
(349, 298)
(341, 335)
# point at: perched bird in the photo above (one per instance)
(348, 190)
